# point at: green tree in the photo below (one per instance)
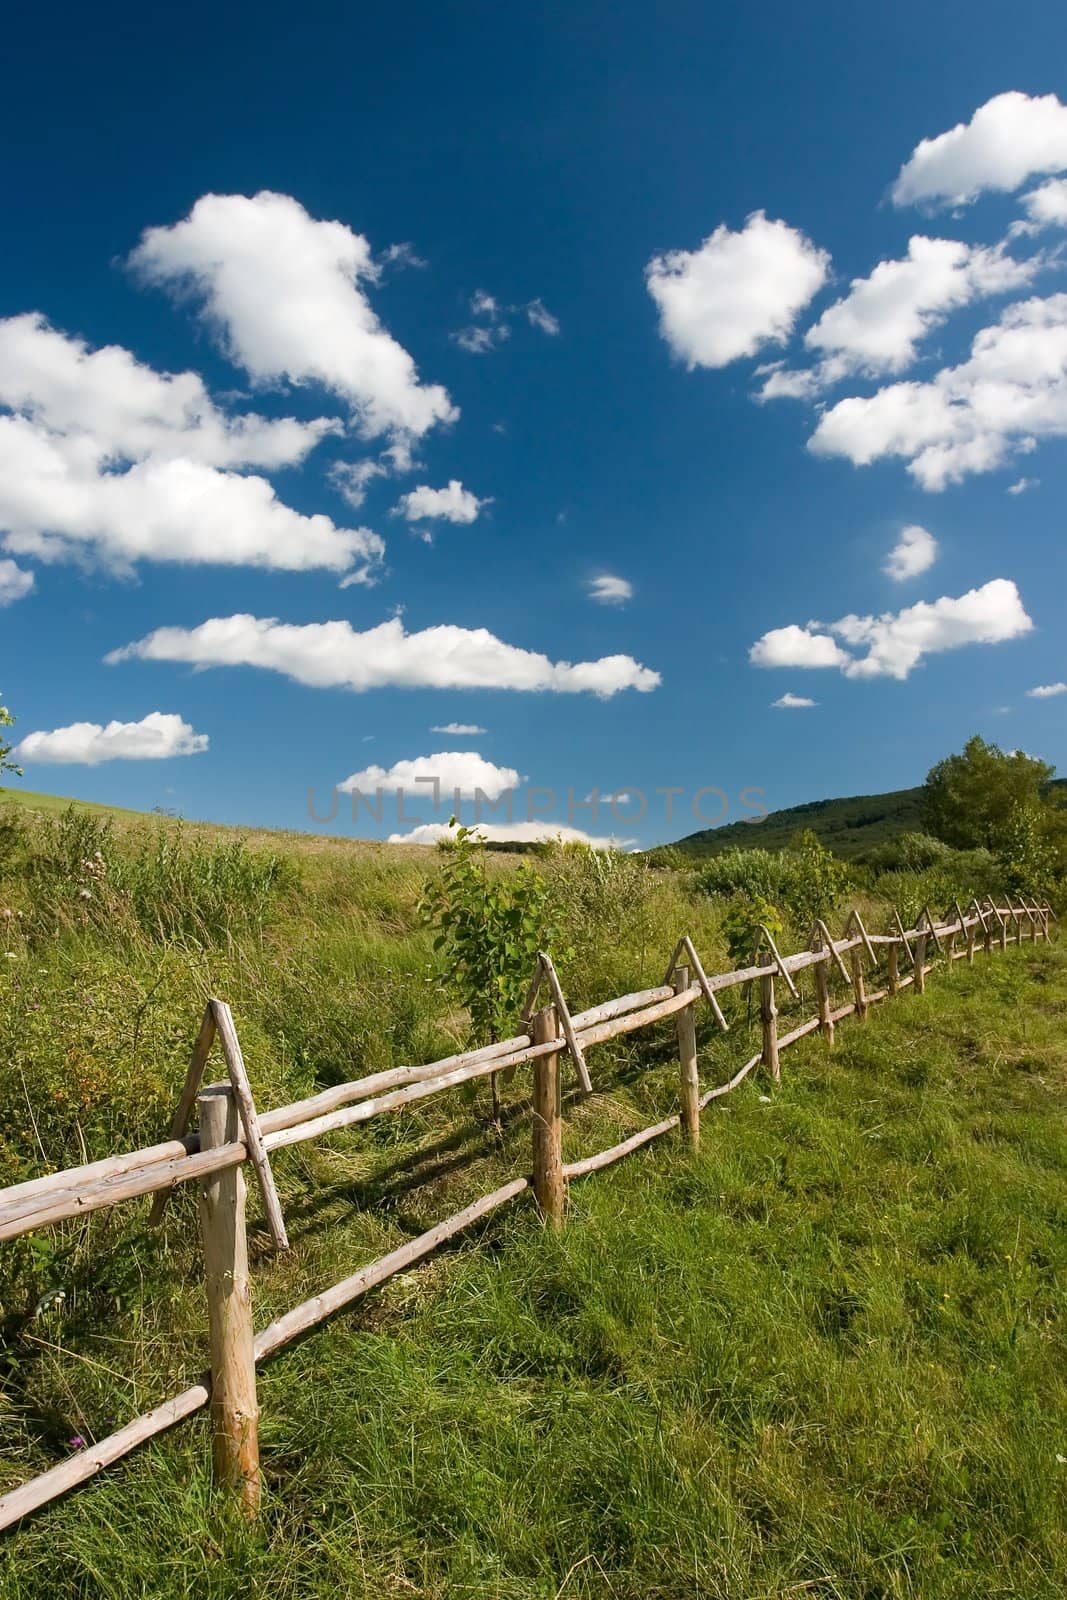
(489, 930)
(6, 721)
(969, 799)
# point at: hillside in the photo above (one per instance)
(848, 826)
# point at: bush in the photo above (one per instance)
(805, 880)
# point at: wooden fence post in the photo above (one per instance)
(920, 961)
(550, 1188)
(234, 1410)
(892, 967)
(688, 1076)
(821, 973)
(769, 1018)
(859, 988)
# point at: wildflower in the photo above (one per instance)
(77, 1443)
(764, 1099)
(1061, 1461)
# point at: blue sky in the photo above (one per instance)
(620, 228)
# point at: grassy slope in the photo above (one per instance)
(825, 1358)
(846, 826)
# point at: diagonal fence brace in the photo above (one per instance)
(903, 935)
(779, 963)
(545, 972)
(686, 944)
(931, 929)
(824, 932)
(218, 1021)
(856, 921)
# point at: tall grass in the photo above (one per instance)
(824, 1358)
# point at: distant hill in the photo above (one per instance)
(848, 827)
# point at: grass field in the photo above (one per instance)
(825, 1357)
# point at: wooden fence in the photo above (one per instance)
(232, 1132)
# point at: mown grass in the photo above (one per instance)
(825, 1357)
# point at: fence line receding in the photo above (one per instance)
(232, 1132)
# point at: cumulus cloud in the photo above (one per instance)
(914, 552)
(876, 328)
(1021, 485)
(794, 646)
(1011, 138)
(1045, 691)
(1046, 207)
(453, 503)
(101, 455)
(521, 832)
(457, 728)
(157, 737)
(333, 655)
(15, 582)
(735, 293)
(609, 590)
(896, 642)
(792, 702)
(447, 772)
(286, 294)
(970, 418)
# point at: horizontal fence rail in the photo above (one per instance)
(235, 1134)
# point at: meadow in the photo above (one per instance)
(824, 1357)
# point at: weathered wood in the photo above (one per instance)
(835, 948)
(779, 963)
(892, 965)
(311, 1312)
(903, 935)
(702, 982)
(231, 1049)
(920, 962)
(550, 1187)
(768, 1012)
(855, 920)
(79, 1468)
(799, 1032)
(187, 1100)
(568, 1027)
(605, 1158)
(688, 1075)
(858, 986)
(234, 1409)
(822, 987)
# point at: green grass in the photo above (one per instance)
(823, 1358)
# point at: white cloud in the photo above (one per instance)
(478, 338)
(539, 316)
(896, 642)
(792, 702)
(794, 646)
(286, 295)
(333, 655)
(120, 409)
(352, 479)
(877, 326)
(1045, 691)
(521, 832)
(914, 552)
(57, 498)
(15, 582)
(971, 418)
(157, 737)
(1011, 138)
(1022, 484)
(104, 456)
(443, 773)
(1046, 207)
(458, 728)
(453, 503)
(738, 291)
(609, 590)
